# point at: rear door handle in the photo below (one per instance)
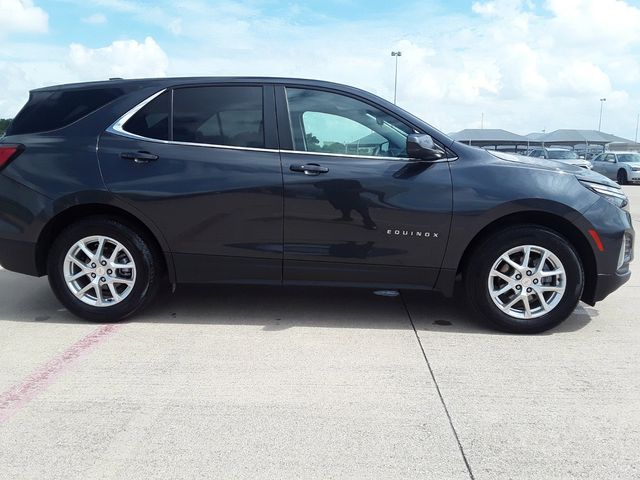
(309, 169)
(139, 157)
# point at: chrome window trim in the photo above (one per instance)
(346, 155)
(117, 128)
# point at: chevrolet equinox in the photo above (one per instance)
(114, 188)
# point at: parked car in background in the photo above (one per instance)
(623, 167)
(112, 188)
(560, 155)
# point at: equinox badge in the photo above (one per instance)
(411, 233)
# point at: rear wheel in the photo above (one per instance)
(524, 279)
(622, 177)
(103, 270)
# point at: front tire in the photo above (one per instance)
(103, 270)
(622, 177)
(524, 279)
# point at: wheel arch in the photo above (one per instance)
(553, 222)
(74, 213)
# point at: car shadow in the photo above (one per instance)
(435, 313)
(26, 299)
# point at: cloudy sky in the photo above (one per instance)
(526, 65)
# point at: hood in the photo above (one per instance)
(552, 165)
(575, 161)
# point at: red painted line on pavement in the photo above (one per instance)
(19, 395)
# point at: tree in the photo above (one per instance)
(311, 140)
(4, 123)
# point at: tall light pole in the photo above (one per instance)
(637, 123)
(602, 100)
(395, 83)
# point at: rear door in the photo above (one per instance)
(202, 163)
(357, 210)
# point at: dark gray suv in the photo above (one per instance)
(115, 188)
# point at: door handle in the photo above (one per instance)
(139, 157)
(309, 169)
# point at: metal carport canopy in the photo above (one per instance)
(578, 137)
(490, 137)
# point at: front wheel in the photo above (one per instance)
(524, 279)
(622, 177)
(103, 270)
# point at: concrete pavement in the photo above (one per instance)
(228, 382)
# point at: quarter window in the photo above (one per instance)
(224, 115)
(52, 109)
(152, 120)
(331, 123)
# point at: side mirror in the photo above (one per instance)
(421, 146)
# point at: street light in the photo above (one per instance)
(602, 100)
(395, 83)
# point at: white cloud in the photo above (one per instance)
(123, 58)
(22, 16)
(95, 19)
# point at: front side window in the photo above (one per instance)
(219, 115)
(326, 122)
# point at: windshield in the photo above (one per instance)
(562, 155)
(629, 157)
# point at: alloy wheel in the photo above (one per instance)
(99, 271)
(527, 282)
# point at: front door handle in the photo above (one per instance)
(309, 169)
(139, 157)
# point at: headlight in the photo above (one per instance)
(611, 194)
(635, 169)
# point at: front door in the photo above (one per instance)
(356, 209)
(609, 165)
(208, 176)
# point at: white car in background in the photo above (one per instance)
(623, 167)
(561, 155)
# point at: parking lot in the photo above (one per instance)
(248, 382)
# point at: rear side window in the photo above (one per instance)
(152, 120)
(219, 115)
(51, 110)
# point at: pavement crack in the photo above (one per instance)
(435, 382)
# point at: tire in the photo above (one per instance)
(622, 177)
(487, 272)
(134, 286)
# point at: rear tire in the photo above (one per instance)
(103, 270)
(622, 177)
(519, 260)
